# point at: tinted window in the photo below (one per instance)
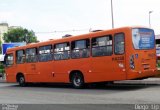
(102, 46)
(119, 43)
(80, 44)
(143, 38)
(80, 48)
(45, 53)
(20, 57)
(9, 60)
(62, 51)
(31, 55)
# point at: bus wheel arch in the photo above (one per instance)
(21, 79)
(76, 77)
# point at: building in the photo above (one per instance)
(14, 27)
(3, 29)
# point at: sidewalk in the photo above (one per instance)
(144, 81)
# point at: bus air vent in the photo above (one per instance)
(96, 30)
(67, 35)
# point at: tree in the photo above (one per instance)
(20, 35)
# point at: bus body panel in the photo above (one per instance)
(32, 73)
(144, 64)
(144, 61)
(108, 69)
(45, 71)
(63, 69)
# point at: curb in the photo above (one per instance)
(145, 81)
(2, 81)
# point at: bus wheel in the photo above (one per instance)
(77, 80)
(21, 81)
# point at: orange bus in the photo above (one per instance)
(102, 56)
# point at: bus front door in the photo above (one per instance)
(10, 67)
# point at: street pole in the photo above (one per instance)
(112, 14)
(150, 18)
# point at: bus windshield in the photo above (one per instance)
(143, 38)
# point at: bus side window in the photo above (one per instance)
(119, 47)
(80, 48)
(31, 55)
(102, 46)
(20, 56)
(45, 53)
(9, 60)
(62, 51)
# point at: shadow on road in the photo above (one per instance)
(119, 87)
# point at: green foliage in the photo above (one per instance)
(1, 66)
(2, 71)
(20, 35)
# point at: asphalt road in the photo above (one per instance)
(126, 93)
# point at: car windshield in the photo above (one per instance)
(143, 38)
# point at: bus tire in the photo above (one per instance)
(21, 80)
(77, 80)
